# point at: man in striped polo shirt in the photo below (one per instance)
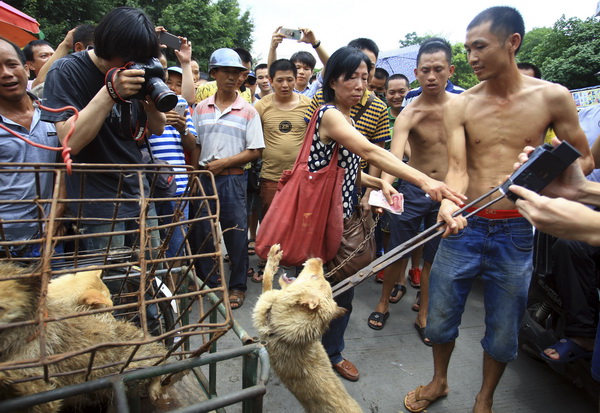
(229, 136)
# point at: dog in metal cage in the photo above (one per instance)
(292, 321)
(71, 344)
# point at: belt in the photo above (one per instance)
(231, 171)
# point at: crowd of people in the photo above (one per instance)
(437, 144)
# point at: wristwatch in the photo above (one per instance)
(185, 132)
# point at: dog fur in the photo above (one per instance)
(292, 321)
(19, 346)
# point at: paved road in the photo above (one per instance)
(393, 361)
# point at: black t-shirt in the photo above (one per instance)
(74, 81)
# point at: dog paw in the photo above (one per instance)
(275, 254)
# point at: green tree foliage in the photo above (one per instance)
(209, 24)
(568, 54)
(531, 40)
(412, 38)
(212, 25)
(463, 73)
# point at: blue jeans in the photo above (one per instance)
(333, 339)
(118, 241)
(500, 252)
(165, 210)
(418, 210)
(231, 190)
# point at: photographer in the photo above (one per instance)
(105, 129)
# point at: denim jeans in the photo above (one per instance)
(165, 210)
(500, 252)
(231, 190)
(333, 339)
(117, 241)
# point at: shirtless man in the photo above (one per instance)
(421, 124)
(486, 128)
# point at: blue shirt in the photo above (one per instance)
(410, 96)
(168, 148)
(23, 186)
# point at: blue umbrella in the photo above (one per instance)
(403, 61)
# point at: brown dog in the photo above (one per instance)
(72, 338)
(292, 321)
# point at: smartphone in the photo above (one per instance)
(169, 40)
(180, 108)
(291, 33)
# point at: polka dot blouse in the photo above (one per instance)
(320, 156)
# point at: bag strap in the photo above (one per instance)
(364, 108)
(308, 140)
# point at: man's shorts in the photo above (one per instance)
(500, 252)
(418, 209)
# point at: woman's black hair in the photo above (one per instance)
(126, 33)
(343, 62)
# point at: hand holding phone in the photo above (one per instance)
(180, 108)
(169, 40)
(291, 33)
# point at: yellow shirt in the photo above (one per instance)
(208, 89)
(283, 131)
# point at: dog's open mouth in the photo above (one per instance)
(288, 280)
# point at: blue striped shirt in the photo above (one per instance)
(168, 148)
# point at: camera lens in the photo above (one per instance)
(164, 98)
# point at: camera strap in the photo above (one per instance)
(137, 131)
(109, 82)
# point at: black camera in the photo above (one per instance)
(164, 98)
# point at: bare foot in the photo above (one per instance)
(420, 398)
(482, 406)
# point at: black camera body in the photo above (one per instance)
(545, 163)
(164, 98)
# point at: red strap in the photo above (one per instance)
(496, 213)
(109, 81)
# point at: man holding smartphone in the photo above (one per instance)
(178, 138)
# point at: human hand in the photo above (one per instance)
(566, 185)
(277, 38)
(453, 224)
(184, 54)
(178, 122)
(67, 42)
(438, 190)
(128, 82)
(216, 166)
(307, 36)
(558, 216)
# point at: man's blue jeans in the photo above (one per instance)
(500, 252)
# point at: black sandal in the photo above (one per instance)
(397, 293)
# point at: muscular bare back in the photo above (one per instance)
(422, 124)
(498, 126)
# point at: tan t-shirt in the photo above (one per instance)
(283, 131)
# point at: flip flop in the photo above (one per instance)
(419, 398)
(417, 304)
(397, 293)
(262, 264)
(379, 318)
(568, 351)
(421, 331)
(251, 249)
(250, 272)
(258, 277)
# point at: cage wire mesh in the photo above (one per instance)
(148, 260)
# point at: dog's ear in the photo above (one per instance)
(97, 273)
(339, 311)
(94, 299)
(310, 301)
